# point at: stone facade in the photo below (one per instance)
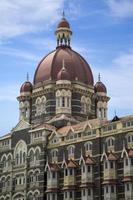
(64, 147)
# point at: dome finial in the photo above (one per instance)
(99, 77)
(27, 77)
(63, 14)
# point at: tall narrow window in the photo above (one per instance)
(63, 101)
(37, 154)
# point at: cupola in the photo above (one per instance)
(63, 32)
(99, 86)
(26, 86)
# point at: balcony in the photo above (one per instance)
(109, 174)
(110, 197)
(52, 183)
(69, 180)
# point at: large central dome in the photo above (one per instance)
(76, 66)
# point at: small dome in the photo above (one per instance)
(100, 87)
(63, 74)
(26, 87)
(63, 24)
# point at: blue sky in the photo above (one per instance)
(102, 33)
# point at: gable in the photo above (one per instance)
(21, 125)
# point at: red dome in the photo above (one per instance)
(26, 87)
(51, 65)
(100, 87)
(63, 23)
(63, 74)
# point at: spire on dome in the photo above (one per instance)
(99, 77)
(63, 14)
(63, 32)
(27, 77)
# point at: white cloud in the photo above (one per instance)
(125, 60)
(19, 17)
(40, 43)
(120, 8)
(118, 77)
(19, 53)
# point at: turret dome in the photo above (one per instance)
(100, 87)
(26, 87)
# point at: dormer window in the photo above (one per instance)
(129, 139)
(71, 150)
(54, 153)
(110, 143)
(88, 148)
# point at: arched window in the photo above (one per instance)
(9, 159)
(63, 101)
(31, 177)
(38, 106)
(36, 195)
(31, 156)
(21, 157)
(30, 196)
(71, 150)
(101, 110)
(27, 109)
(3, 182)
(54, 153)
(43, 104)
(37, 176)
(88, 104)
(37, 154)
(130, 138)
(83, 105)
(88, 146)
(24, 157)
(20, 150)
(4, 162)
(7, 198)
(110, 143)
(17, 159)
(8, 181)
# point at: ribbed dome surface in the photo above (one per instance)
(63, 23)
(100, 87)
(26, 87)
(51, 65)
(63, 74)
